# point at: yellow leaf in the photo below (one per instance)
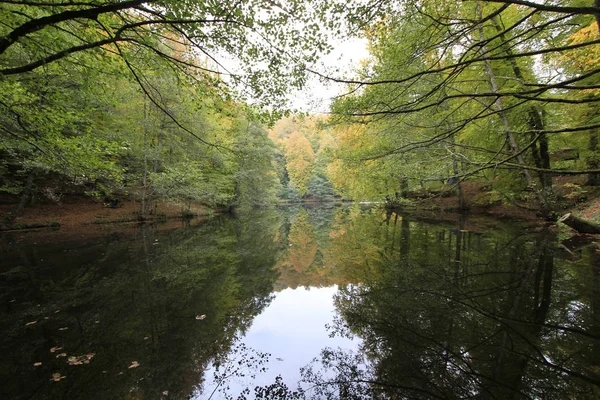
(56, 377)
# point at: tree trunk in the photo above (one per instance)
(462, 203)
(597, 15)
(535, 120)
(403, 188)
(593, 160)
(499, 107)
(144, 199)
(25, 196)
(579, 224)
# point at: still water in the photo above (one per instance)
(300, 303)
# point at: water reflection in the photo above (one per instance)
(168, 301)
(449, 313)
(398, 307)
(292, 331)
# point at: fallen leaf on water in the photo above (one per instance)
(134, 364)
(74, 361)
(55, 349)
(37, 364)
(56, 312)
(146, 338)
(200, 317)
(31, 323)
(63, 329)
(165, 393)
(56, 377)
(80, 360)
(61, 355)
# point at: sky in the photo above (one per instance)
(317, 96)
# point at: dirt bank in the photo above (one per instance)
(78, 211)
(571, 196)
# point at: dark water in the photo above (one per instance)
(332, 303)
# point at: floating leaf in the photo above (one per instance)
(37, 364)
(31, 323)
(134, 364)
(165, 393)
(56, 377)
(200, 317)
(63, 329)
(55, 349)
(80, 360)
(61, 355)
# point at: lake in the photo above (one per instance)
(304, 302)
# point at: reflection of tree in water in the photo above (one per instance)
(303, 246)
(305, 262)
(453, 314)
(443, 313)
(170, 301)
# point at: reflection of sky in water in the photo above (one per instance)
(292, 329)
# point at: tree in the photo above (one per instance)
(300, 158)
(467, 77)
(257, 33)
(64, 67)
(576, 62)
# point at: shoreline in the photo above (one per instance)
(77, 212)
(80, 211)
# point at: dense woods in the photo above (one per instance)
(130, 100)
(499, 92)
(177, 101)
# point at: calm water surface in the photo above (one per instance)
(301, 303)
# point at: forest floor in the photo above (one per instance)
(571, 196)
(77, 211)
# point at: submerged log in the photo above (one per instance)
(579, 224)
(572, 248)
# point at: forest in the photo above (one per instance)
(189, 102)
